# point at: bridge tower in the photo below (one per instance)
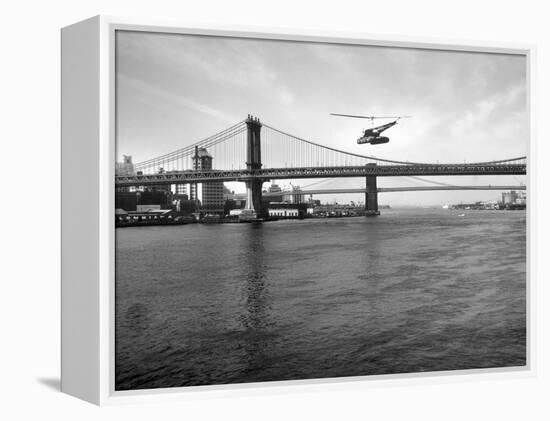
(371, 196)
(253, 208)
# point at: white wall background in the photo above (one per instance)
(29, 230)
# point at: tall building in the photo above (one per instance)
(509, 197)
(514, 197)
(209, 194)
(126, 167)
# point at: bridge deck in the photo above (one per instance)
(321, 172)
(394, 189)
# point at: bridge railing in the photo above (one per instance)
(191, 176)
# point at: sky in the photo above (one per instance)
(173, 90)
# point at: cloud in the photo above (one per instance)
(487, 110)
(170, 99)
(286, 96)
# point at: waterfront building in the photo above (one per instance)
(209, 194)
(509, 197)
(284, 212)
(233, 200)
(126, 200)
(514, 197)
(132, 201)
(238, 198)
(287, 210)
(145, 215)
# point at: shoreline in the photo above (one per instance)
(262, 220)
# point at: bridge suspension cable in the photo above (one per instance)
(181, 159)
(424, 180)
(340, 182)
(352, 155)
(279, 149)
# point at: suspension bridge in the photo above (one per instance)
(253, 152)
(395, 189)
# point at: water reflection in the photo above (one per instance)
(256, 319)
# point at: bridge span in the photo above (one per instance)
(238, 150)
(394, 189)
(202, 176)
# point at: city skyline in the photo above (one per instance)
(173, 90)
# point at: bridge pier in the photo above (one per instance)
(371, 197)
(253, 208)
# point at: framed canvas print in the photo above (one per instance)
(252, 209)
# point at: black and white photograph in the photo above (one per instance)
(298, 209)
(276, 210)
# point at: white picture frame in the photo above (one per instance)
(88, 156)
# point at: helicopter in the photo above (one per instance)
(372, 135)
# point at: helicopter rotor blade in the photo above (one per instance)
(354, 116)
(369, 117)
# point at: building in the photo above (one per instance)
(126, 167)
(233, 201)
(509, 197)
(139, 200)
(294, 195)
(181, 189)
(275, 188)
(126, 200)
(315, 202)
(145, 217)
(514, 198)
(287, 210)
(283, 213)
(209, 194)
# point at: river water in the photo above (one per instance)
(409, 291)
